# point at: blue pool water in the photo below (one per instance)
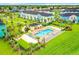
(43, 32)
(1, 32)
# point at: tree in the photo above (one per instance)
(26, 29)
(68, 28)
(38, 39)
(56, 14)
(44, 43)
(31, 48)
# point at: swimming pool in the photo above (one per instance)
(1, 32)
(43, 32)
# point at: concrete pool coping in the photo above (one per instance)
(48, 27)
(52, 35)
(43, 28)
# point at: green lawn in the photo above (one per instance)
(5, 48)
(66, 43)
(24, 44)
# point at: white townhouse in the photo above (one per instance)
(38, 16)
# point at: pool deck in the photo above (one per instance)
(50, 36)
(27, 38)
(56, 31)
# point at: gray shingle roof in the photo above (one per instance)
(70, 10)
(34, 24)
(69, 14)
(37, 12)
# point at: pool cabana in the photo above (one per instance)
(35, 26)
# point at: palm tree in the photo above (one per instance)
(25, 22)
(56, 14)
(38, 39)
(31, 48)
(17, 48)
(44, 42)
(27, 29)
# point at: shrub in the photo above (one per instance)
(68, 28)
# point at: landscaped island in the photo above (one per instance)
(26, 30)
